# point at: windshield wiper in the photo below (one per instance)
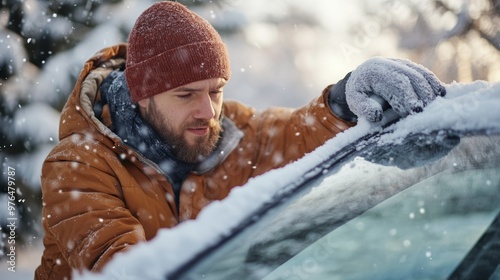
(483, 260)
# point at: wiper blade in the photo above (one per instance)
(483, 260)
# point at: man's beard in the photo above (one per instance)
(203, 146)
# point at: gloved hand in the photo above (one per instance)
(379, 84)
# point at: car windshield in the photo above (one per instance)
(414, 208)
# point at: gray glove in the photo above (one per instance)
(379, 84)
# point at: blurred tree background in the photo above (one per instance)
(458, 40)
(44, 43)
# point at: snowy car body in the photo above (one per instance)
(418, 199)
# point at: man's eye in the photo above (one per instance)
(184, 96)
(218, 91)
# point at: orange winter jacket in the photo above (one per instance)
(101, 196)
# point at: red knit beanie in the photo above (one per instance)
(171, 46)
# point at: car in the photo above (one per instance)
(414, 199)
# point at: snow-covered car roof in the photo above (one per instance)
(466, 107)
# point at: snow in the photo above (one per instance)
(466, 106)
(11, 51)
(50, 85)
(35, 122)
(31, 164)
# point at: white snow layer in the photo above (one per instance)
(466, 106)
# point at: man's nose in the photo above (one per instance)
(205, 107)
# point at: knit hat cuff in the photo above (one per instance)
(177, 67)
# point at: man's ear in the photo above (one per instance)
(143, 106)
(143, 103)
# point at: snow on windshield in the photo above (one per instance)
(466, 106)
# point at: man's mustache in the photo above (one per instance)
(211, 123)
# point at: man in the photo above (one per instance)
(146, 140)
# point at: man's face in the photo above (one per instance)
(187, 117)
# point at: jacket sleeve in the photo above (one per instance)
(83, 209)
(284, 135)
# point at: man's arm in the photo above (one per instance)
(278, 136)
(83, 209)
